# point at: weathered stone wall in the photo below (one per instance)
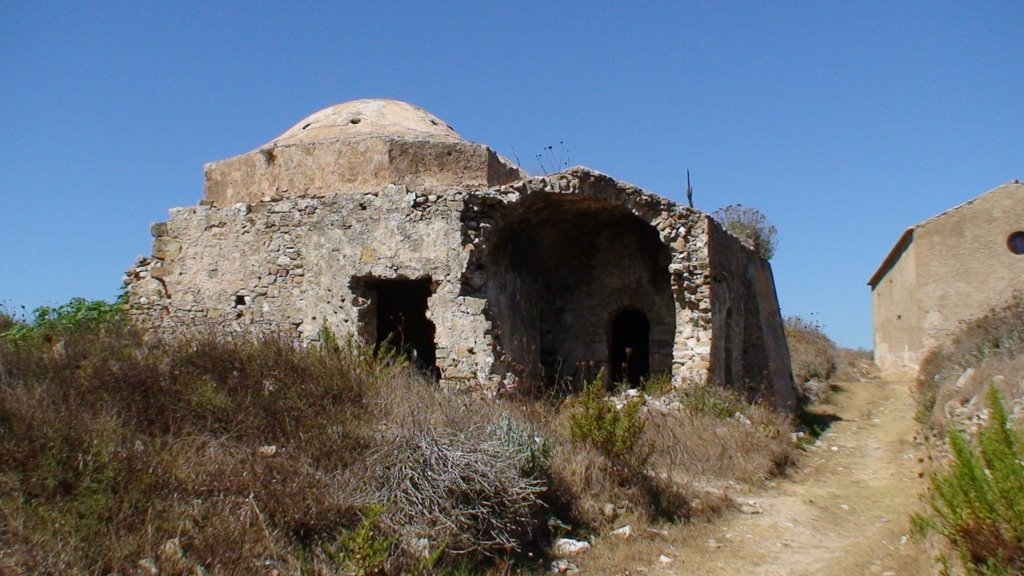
(285, 268)
(375, 219)
(352, 166)
(749, 351)
(526, 278)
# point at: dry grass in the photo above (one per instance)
(119, 454)
(244, 456)
(986, 352)
(705, 448)
(7, 321)
(695, 442)
(855, 366)
(111, 448)
(813, 357)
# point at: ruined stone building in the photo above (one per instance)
(947, 269)
(376, 220)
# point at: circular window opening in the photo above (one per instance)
(1015, 242)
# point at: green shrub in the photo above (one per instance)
(365, 550)
(658, 384)
(616, 433)
(711, 400)
(77, 314)
(978, 504)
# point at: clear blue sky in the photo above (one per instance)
(845, 122)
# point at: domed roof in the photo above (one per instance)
(369, 118)
(354, 148)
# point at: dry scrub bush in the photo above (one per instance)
(242, 457)
(992, 345)
(751, 226)
(455, 470)
(718, 437)
(249, 456)
(813, 357)
(111, 447)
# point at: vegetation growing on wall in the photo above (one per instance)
(751, 226)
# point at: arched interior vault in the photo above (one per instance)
(561, 269)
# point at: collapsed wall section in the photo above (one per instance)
(585, 275)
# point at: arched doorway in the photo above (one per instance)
(630, 347)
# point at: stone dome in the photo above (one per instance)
(354, 148)
(369, 118)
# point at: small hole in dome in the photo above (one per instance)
(307, 125)
(355, 121)
(434, 122)
(1015, 242)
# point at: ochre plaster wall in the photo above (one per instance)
(956, 267)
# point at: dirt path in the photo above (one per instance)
(844, 511)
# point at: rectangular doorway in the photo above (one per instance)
(397, 317)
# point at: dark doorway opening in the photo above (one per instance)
(630, 347)
(401, 319)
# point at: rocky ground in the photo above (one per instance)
(844, 509)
